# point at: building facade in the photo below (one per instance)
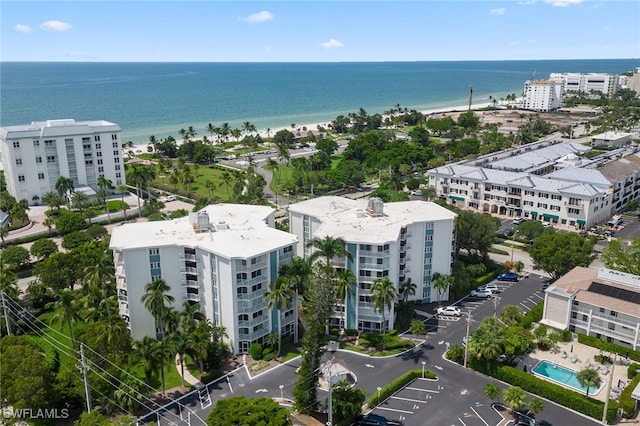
(603, 303)
(607, 84)
(403, 241)
(223, 257)
(37, 154)
(542, 95)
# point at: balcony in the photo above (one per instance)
(262, 319)
(119, 272)
(192, 297)
(188, 270)
(574, 203)
(190, 257)
(189, 284)
(249, 267)
(124, 309)
(121, 283)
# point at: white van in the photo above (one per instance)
(615, 220)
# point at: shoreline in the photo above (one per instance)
(313, 126)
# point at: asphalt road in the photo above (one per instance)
(456, 398)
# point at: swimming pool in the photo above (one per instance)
(563, 376)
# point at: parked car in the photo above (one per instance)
(170, 198)
(371, 420)
(449, 311)
(491, 287)
(518, 220)
(508, 276)
(416, 192)
(481, 293)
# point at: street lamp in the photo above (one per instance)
(379, 389)
(281, 391)
(423, 364)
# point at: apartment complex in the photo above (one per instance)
(542, 95)
(554, 183)
(602, 303)
(403, 241)
(35, 155)
(607, 84)
(223, 257)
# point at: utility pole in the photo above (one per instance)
(607, 395)
(83, 366)
(466, 346)
(5, 308)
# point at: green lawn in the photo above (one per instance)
(205, 173)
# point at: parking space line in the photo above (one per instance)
(532, 301)
(394, 409)
(407, 399)
(479, 416)
(422, 390)
(538, 296)
(524, 306)
(463, 423)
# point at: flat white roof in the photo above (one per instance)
(64, 127)
(247, 232)
(347, 219)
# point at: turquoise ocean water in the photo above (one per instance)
(161, 98)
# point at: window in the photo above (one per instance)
(241, 290)
(543, 195)
(86, 146)
(529, 193)
(542, 205)
(257, 273)
(154, 251)
(100, 169)
(117, 167)
(99, 154)
(116, 160)
(50, 142)
(96, 138)
(99, 160)
(41, 176)
(114, 137)
(155, 265)
(36, 143)
(573, 211)
(243, 330)
(241, 276)
(243, 317)
(288, 249)
(20, 178)
(38, 159)
(118, 175)
(256, 287)
(556, 208)
(257, 314)
(19, 161)
(88, 162)
(98, 146)
(51, 158)
(116, 153)
(16, 144)
(115, 144)
(556, 197)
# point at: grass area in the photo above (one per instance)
(204, 173)
(172, 377)
(57, 335)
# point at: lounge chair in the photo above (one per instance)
(574, 359)
(564, 355)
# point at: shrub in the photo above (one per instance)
(268, 356)
(351, 332)
(627, 403)
(603, 359)
(75, 239)
(633, 370)
(334, 331)
(364, 342)
(608, 347)
(255, 350)
(567, 335)
(398, 383)
(534, 315)
(70, 222)
(486, 278)
(456, 353)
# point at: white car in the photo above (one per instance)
(494, 289)
(449, 311)
(518, 220)
(416, 192)
(170, 198)
(481, 293)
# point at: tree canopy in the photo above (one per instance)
(243, 411)
(559, 252)
(475, 232)
(625, 259)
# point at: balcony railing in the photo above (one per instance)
(188, 270)
(189, 284)
(191, 297)
(249, 267)
(191, 257)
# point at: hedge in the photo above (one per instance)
(534, 315)
(551, 391)
(486, 278)
(633, 370)
(627, 403)
(608, 347)
(397, 384)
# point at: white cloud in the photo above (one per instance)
(55, 26)
(527, 2)
(257, 18)
(19, 28)
(331, 44)
(498, 11)
(562, 3)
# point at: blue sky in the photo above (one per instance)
(318, 31)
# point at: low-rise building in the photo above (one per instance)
(611, 139)
(411, 240)
(224, 257)
(603, 303)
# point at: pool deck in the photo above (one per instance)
(576, 356)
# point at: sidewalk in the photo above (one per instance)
(188, 377)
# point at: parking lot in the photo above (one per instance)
(422, 398)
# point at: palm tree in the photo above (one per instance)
(48, 222)
(514, 397)
(156, 300)
(80, 201)
(297, 272)
(66, 310)
(199, 342)
(345, 286)
(442, 284)
(407, 288)
(64, 187)
(145, 352)
(225, 131)
(190, 315)
(417, 327)
(180, 342)
(279, 297)
(272, 165)
(164, 352)
(384, 294)
(113, 333)
(99, 277)
(588, 378)
(329, 248)
(130, 393)
(211, 186)
(53, 200)
(122, 189)
(491, 390)
(536, 405)
(211, 129)
(105, 186)
(510, 314)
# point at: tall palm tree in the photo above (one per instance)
(199, 342)
(225, 131)
(156, 300)
(589, 378)
(329, 248)
(164, 350)
(190, 315)
(66, 310)
(53, 200)
(297, 272)
(211, 186)
(80, 201)
(279, 297)
(442, 284)
(122, 189)
(211, 129)
(105, 186)
(345, 286)
(64, 187)
(130, 393)
(99, 277)
(180, 342)
(407, 288)
(226, 179)
(145, 351)
(384, 294)
(113, 333)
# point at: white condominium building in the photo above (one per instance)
(607, 84)
(224, 257)
(603, 303)
(403, 241)
(35, 155)
(542, 95)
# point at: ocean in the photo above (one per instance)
(161, 98)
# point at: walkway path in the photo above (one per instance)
(188, 377)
